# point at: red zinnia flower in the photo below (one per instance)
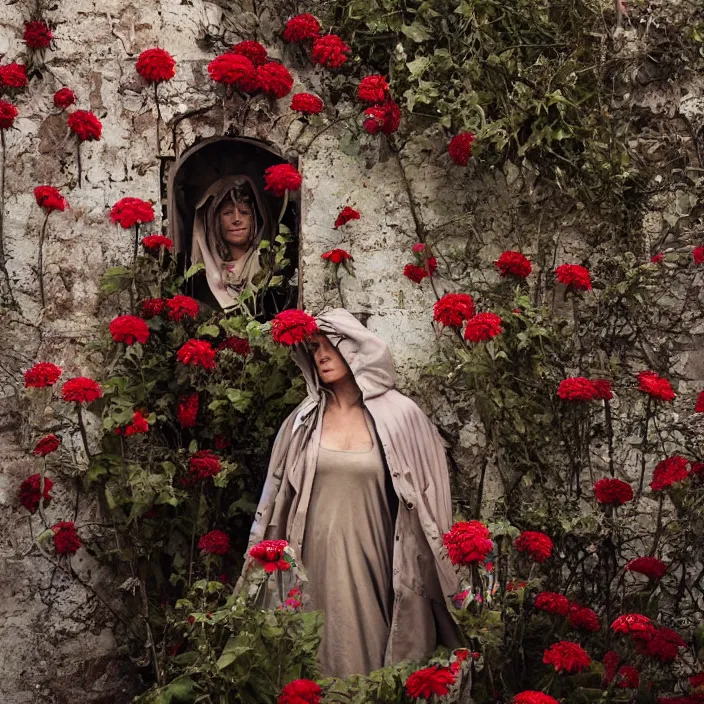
(603, 389)
(130, 211)
(536, 544)
(270, 555)
(375, 117)
(574, 276)
(514, 263)
(307, 104)
(129, 329)
(85, 125)
(482, 327)
(655, 386)
(252, 50)
(37, 34)
(42, 374)
(611, 661)
(345, 215)
(698, 255)
(156, 65)
(635, 625)
(467, 542)
(415, 273)
(433, 680)
(552, 603)
(30, 493)
(155, 242)
(281, 178)
(8, 113)
(301, 27)
(66, 540)
(656, 258)
(576, 388)
(13, 76)
(64, 97)
(583, 618)
(138, 426)
(81, 389)
(187, 410)
(330, 51)
(699, 406)
(372, 89)
(628, 677)
(50, 198)
(453, 309)
(275, 79)
(216, 542)
(531, 697)
(48, 444)
(237, 344)
(232, 69)
(661, 644)
(460, 149)
(392, 116)
(197, 353)
(651, 567)
(292, 326)
(336, 256)
(204, 464)
(151, 307)
(668, 472)
(612, 492)
(181, 307)
(301, 692)
(566, 656)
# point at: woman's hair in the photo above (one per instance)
(239, 194)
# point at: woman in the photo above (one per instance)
(231, 220)
(358, 485)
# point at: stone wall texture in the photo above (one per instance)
(56, 637)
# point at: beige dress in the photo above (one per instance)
(347, 553)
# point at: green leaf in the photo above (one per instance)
(182, 689)
(416, 31)
(194, 269)
(208, 331)
(418, 66)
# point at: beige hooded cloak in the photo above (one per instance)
(424, 579)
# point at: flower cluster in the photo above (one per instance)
(337, 256)
(151, 307)
(234, 70)
(651, 567)
(330, 51)
(372, 89)
(281, 178)
(435, 680)
(30, 492)
(64, 98)
(128, 212)
(153, 243)
(42, 374)
(274, 79)
(468, 542)
(81, 389)
(292, 326)
(46, 445)
(552, 603)
(50, 198)
(216, 542)
(482, 327)
(66, 540)
(8, 115)
(301, 692)
(300, 28)
(579, 388)
(270, 555)
(384, 117)
(85, 125)
(307, 104)
(37, 34)
(345, 215)
(197, 353)
(460, 149)
(138, 426)
(13, 75)
(567, 656)
(453, 309)
(574, 277)
(251, 50)
(512, 263)
(538, 545)
(156, 65)
(582, 618)
(180, 307)
(187, 410)
(204, 464)
(668, 472)
(612, 492)
(239, 345)
(129, 329)
(655, 386)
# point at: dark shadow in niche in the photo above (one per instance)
(196, 181)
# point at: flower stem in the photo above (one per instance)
(158, 119)
(78, 161)
(644, 448)
(82, 428)
(40, 261)
(3, 260)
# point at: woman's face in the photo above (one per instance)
(329, 362)
(236, 223)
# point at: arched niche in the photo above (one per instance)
(196, 169)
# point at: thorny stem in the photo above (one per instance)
(40, 261)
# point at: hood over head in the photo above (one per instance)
(367, 355)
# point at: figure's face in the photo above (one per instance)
(236, 222)
(328, 361)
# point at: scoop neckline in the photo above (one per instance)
(350, 452)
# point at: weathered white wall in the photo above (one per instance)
(55, 639)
